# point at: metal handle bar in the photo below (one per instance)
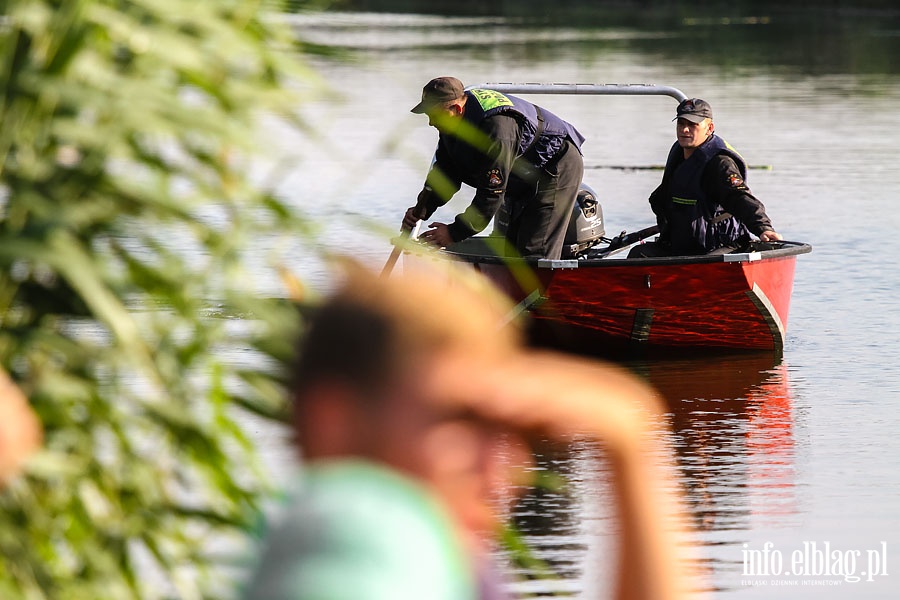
(587, 89)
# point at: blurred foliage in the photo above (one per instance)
(131, 237)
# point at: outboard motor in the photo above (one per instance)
(585, 225)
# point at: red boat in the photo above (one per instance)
(591, 300)
(738, 300)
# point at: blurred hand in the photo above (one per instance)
(413, 215)
(20, 430)
(438, 234)
(540, 394)
(770, 236)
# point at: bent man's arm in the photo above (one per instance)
(542, 394)
(722, 181)
(490, 176)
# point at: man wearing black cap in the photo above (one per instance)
(703, 204)
(524, 162)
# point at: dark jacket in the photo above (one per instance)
(499, 148)
(703, 203)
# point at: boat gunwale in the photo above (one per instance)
(790, 249)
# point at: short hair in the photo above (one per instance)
(374, 329)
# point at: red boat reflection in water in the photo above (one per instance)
(729, 434)
(770, 448)
(733, 434)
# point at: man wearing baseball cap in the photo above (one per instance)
(524, 162)
(439, 92)
(703, 204)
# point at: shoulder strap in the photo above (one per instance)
(538, 132)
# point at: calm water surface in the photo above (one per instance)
(800, 452)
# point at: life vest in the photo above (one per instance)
(543, 133)
(697, 224)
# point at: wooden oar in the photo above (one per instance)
(521, 307)
(405, 235)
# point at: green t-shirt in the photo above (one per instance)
(357, 531)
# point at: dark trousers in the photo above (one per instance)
(542, 212)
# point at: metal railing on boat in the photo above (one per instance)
(587, 89)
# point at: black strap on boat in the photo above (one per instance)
(640, 329)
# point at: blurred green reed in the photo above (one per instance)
(131, 312)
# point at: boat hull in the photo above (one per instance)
(739, 301)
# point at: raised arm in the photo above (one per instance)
(549, 394)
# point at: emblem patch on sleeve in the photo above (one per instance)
(735, 181)
(494, 179)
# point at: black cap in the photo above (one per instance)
(694, 110)
(439, 90)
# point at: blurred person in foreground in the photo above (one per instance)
(703, 204)
(408, 396)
